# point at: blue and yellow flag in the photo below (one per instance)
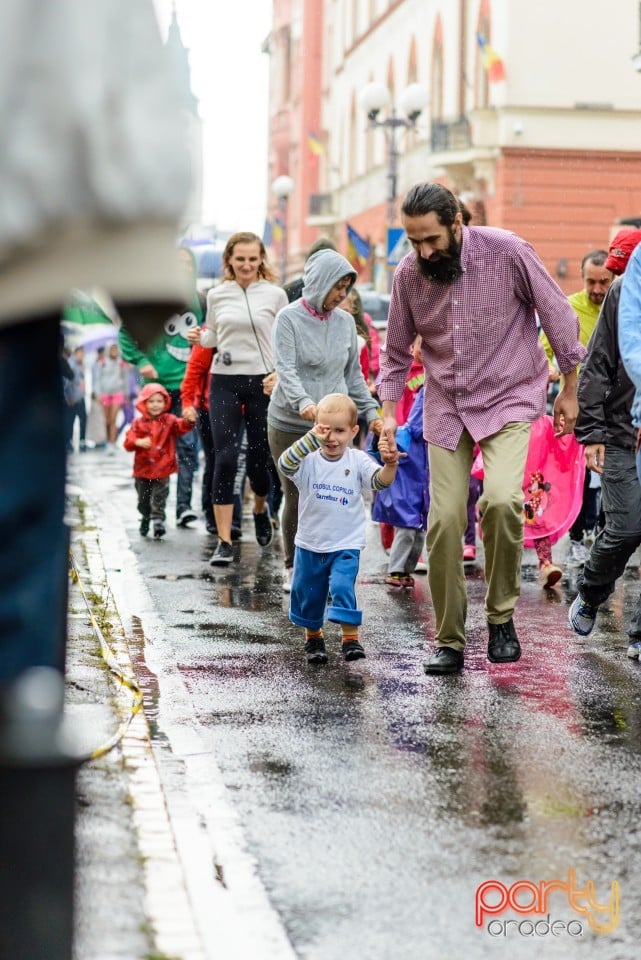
(277, 230)
(358, 249)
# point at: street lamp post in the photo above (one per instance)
(282, 188)
(413, 100)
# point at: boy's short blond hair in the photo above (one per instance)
(338, 403)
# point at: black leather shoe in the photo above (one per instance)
(315, 650)
(444, 660)
(504, 646)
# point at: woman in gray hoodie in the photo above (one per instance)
(315, 353)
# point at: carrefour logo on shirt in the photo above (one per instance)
(343, 501)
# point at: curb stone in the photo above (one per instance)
(120, 797)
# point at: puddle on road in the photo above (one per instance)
(147, 681)
(175, 576)
(270, 766)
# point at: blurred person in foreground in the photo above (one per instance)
(473, 293)
(93, 181)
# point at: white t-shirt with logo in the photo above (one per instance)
(331, 510)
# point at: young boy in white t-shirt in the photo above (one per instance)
(331, 476)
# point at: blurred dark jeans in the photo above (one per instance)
(78, 410)
(33, 536)
(187, 456)
(617, 541)
(589, 512)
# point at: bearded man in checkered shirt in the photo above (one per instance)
(474, 294)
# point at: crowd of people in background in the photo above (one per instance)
(445, 405)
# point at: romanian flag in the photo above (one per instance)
(494, 66)
(315, 145)
(358, 250)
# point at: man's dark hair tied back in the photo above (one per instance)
(427, 197)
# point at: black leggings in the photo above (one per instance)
(232, 398)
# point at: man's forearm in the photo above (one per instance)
(569, 380)
(389, 409)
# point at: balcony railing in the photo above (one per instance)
(448, 135)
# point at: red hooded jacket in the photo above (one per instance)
(159, 461)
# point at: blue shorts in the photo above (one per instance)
(316, 577)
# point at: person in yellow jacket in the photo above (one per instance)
(587, 306)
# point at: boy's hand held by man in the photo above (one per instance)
(387, 447)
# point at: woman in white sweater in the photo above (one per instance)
(240, 316)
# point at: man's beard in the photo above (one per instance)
(447, 268)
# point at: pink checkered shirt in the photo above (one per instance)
(484, 364)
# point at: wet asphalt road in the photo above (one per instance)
(374, 799)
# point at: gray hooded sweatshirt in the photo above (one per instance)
(316, 353)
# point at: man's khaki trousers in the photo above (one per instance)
(501, 509)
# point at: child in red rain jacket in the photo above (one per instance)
(152, 438)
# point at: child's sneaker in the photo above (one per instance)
(582, 616)
(634, 650)
(407, 581)
(469, 553)
(394, 580)
(144, 526)
(315, 650)
(352, 650)
(159, 529)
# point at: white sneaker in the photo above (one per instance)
(582, 616)
(577, 554)
(634, 650)
(287, 579)
(421, 566)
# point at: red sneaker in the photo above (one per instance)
(394, 580)
(469, 553)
